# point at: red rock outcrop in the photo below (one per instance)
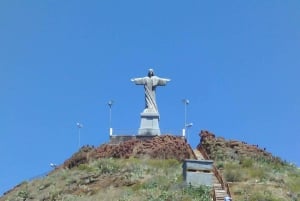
(217, 148)
(160, 147)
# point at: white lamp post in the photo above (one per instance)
(110, 103)
(79, 126)
(187, 126)
(185, 102)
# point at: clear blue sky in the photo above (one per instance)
(61, 62)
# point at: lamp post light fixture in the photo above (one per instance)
(53, 165)
(110, 103)
(185, 102)
(187, 126)
(79, 126)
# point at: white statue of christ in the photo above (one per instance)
(150, 83)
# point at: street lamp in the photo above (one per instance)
(53, 165)
(79, 126)
(187, 126)
(110, 103)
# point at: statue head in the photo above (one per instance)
(150, 72)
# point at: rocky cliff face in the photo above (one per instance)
(173, 147)
(159, 147)
(218, 148)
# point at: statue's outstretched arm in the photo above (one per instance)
(166, 79)
(163, 81)
(138, 80)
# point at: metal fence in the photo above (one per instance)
(133, 132)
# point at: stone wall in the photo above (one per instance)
(198, 172)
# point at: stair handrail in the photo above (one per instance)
(214, 195)
(216, 172)
(194, 155)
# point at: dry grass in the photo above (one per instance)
(256, 180)
(152, 179)
(111, 179)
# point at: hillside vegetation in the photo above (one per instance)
(262, 181)
(152, 170)
(112, 179)
(253, 173)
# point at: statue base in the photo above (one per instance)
(149, 123)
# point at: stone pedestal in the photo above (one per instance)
(198, 172)
(149, 123)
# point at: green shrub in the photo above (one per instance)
(219, 155)
(23, 194)
(266, 196)
(258, 172)
(85, 167)
(220, 165)
(202, 193)
(165, 195)
(107, 166)
(233, 175)
(150, 185)
(247, 162)
(293, 181)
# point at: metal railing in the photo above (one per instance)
(216, 173)
(133, 132)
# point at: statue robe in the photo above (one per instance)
(150, 84)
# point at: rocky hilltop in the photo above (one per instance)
(251, 172)
(150, 169)
(159, 147)
(145, 168)
(218, 148)
(173, 147)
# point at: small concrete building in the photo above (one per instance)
(198, 172)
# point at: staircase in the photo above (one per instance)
(219, 192)
(198, 154)
(219, 189)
